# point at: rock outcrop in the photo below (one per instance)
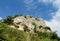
(28, 23)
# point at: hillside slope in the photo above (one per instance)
(27, 23)
(10, 34)
(25, 28)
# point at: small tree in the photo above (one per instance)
(48, 28)
(54, 36)
(1, 21)
(37, 19)
(40, 27)
(8, 20)
(17, 15)
(58, 38)
(35, 29)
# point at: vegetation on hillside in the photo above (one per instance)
(10, 34)
(8, 20)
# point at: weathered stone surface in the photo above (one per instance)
(28, 23)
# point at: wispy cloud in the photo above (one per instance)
(55, 22)
(46, 1)
(30, 4)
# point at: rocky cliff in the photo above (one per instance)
(29, 23)
(25, 28)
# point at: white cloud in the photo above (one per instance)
(30, 4)
(0, 18)
(28, 1)
(56, 3)
(55, 22)
(45, 1)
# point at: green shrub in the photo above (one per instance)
(17, 15)
(11, 34)
(47, 28)
(8, 20)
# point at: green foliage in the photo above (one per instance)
(35, 37)
(17, 15)
(40, 27)
(58, 38)
(1, 20)
(35, 30)
(8, 20)
(50, 35)
(54, 36)
(31, 16)
(46, 39)
(37, 19)
(11, 34)
(28, 16)
(47, 28)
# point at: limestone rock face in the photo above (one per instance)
(28, 23)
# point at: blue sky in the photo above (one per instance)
(26, 7)
(49, 10)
